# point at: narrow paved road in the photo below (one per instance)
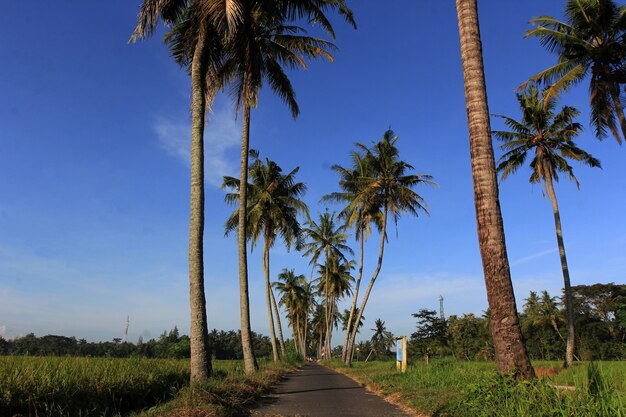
(316, 391)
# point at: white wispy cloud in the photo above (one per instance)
(411, 288)
(533, 256)
(221, 133)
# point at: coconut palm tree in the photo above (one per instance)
(297, 298)
(357, 213)
(318, 328)
(333, 283)
(346, 324)
(382, 339)
(590, 43)
(273, 206)
(202, 27)
(390, 187)
(329, 239)
(511, 355)
(257, 52)
(549, 313)
(548, 136)
(197, 46)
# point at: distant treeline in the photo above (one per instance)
(224, 345)
(599, 322)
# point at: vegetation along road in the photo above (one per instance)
(318, 391)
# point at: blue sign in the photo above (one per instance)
(399, 352)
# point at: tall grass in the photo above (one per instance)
(460, 389)
(86, 387)
(62, 386)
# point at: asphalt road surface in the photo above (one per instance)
(316, 391)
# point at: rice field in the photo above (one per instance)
(111, 387)
(64, 386)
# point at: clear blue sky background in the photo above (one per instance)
(94, 168)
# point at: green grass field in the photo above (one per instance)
(68, 386)
(474, 389)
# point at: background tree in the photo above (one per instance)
(347, 324)
(539, 317)
(297, 298)
(589, 43)
(382, 340)
(511, 355)
(327, 238)
(359, 214)
(600, 320)
(273, 206)
(468, 337)
(333, 284)
(430, 336)
(389, 187)
(549, 137)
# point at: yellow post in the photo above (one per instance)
(404, 357)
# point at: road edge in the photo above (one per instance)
(388, 398)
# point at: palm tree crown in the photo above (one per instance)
(388, 185)
(547, 134)
(590, 42)
(274, 202)
(326, 237)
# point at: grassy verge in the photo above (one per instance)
(460, 389)
(56, 387)
(226, 394)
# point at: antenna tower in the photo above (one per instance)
(441, 314)
(126, 329)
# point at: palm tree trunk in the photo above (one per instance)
(305, 333)
(268, 295)
(556, 329)
(199, 338)
(379, 264)
(511, 355)
(320, 345)
(297, 334)
(327, 308)
(569, 353)
(281, 340)
(329, 329)
(249, 360)
(344, 354)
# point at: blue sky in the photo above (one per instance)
(95, 169)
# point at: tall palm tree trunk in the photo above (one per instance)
(569, 352)
(344, 353)
(281, 340)
(511, 355)
(320, 345)
(379, 264)
(297, 334)
(199, 340)
(326, 310)
(249, 360)
(329, 328)
(305, 333)
(556, 329)
(268, 295)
